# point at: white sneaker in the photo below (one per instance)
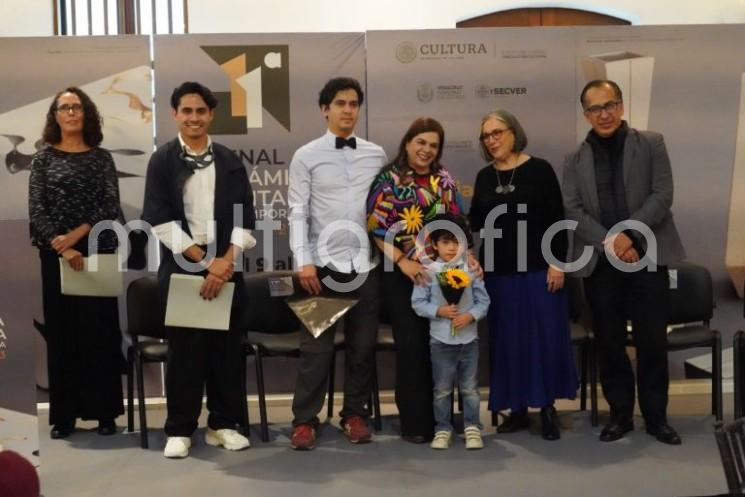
(473, 438)
(230, 439)
(177, 447)
(442, 440)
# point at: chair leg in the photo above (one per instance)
(130, 392)
(262, 395)
(583, 351)
(332, 379)
(378, 419)
(245, 426)
(593, 360)
(736, 350)
(141, 400)
(716, 376)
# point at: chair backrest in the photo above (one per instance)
(145, 309)
(263, 312)
(692, 300)
(731, 442)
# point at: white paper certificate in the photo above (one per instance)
(100, 277)
(187, 309)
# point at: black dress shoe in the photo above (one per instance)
(415, 439)
(616, 429)
(665, 434)
(550, 423)
(516, 421)
(106, 427)
(62, 430)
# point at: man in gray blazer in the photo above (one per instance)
(622, 175)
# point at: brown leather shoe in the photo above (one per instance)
(303, 437)
(356, 429)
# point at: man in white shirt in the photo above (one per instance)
(199, 201)
(329, 181)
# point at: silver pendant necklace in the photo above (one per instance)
(509, 187)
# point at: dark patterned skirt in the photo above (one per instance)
(532, 361)
(84, 351)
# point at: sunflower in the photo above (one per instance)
(413, 218)
(457, 278)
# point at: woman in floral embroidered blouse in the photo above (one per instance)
(405, 195)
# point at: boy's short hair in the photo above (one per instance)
(449, 232)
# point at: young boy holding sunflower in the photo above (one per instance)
(453, 300)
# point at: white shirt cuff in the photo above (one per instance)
(302, 258)
(173, 237)
(242, 238)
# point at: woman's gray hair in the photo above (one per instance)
(521, 139)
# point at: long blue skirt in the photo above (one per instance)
(532, 361)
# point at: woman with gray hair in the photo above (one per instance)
(530, 347)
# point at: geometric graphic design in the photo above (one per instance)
(735, 254)
(633, 73)
(259, 78)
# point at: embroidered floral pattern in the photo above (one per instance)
(406, 202)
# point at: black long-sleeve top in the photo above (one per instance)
(67, 189)
(537, 187)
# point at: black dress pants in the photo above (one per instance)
(360, 339)
(642, 297)
(211, 358)
(413, 361)
(84, 351)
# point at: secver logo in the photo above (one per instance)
(259, 80)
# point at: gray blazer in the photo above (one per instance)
(649, 194)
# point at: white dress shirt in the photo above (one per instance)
(328, 185)
(199, 209)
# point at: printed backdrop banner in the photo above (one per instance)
(267, 87)
(115, 73)
(682, 81)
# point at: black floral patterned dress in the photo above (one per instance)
(84, 355)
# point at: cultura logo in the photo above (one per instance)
(3, 337)
(406, 52)
(259, 80)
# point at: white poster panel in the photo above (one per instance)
(115, 72)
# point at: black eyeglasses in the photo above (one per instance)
(67, 108)
(494, 135)
(609, 107)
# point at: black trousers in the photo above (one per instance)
(644, 298)
(360, 339)
(199, 358)
(84, 351)
(413, 361)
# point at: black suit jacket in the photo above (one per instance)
(164, 201)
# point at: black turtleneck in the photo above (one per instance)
(608, 160)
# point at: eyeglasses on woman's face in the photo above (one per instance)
(495, 134)
(69, 109)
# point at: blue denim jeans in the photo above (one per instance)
(449, 362)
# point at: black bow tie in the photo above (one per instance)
(349, 142)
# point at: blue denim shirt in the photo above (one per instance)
(428, 298)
